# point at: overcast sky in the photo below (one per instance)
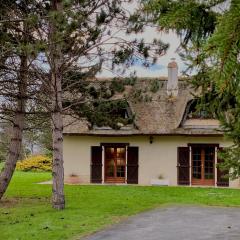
(160, 68)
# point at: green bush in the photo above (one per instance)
(154, 86)
(35, 163)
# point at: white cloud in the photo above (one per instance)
(149, 34)
(161, 66)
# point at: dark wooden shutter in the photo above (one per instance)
(183, 166)
(132, 165)
(96, 164)
(222, 180)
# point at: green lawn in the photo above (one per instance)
(26, 213)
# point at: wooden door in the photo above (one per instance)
(115, 164)
(203, 165)
(132, 165)
(96, 164)
(183, 166)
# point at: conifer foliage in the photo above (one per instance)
(210, 32)
(66, 43)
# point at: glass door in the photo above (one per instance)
(115, 164)
(203, 165)
(209, 163)
(196, 164)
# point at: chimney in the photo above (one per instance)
(172, 83)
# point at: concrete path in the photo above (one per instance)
(177, 223)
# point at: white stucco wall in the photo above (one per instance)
(157, 158)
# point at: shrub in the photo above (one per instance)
(35, 163)
(154, 87)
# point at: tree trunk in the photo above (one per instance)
(56, 56)
(58, 200)
(17, 130)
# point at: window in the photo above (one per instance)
(194, 111)
(111, 114)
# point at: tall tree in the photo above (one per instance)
(211, 44)
(78, 37)
(14, 80)
(56, 61)
(67, 37)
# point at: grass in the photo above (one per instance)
(26, 213)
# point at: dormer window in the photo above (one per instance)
(120, 111)
(196, 112)
(113, 114)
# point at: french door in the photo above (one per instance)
(203, 165)
(115, 164)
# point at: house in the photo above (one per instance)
(168, 139)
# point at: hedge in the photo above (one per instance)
(35, 163)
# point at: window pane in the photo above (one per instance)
(110, 168)
(120, 162)
(196, 154)
(120, 171)
(109, 161)
(209, 162)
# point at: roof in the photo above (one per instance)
(162, 115)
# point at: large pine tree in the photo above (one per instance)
(210, 33)
(15, 64)
(71, 41)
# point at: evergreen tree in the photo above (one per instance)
(15, 62)
(66, 38)
(210, 32)
(78, 37)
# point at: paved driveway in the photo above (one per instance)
(177, 223)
